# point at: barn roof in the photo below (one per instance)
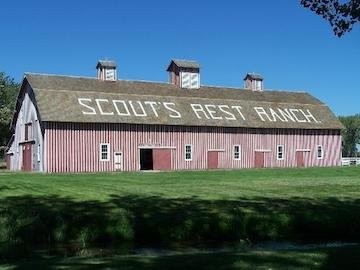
(106, 63)
(254, 76)
(57, 99)
(184, 64)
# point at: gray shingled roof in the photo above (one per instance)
(57, 100)
(184, 63)
(254, 76)
(106, 63)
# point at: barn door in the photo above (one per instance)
(259, 160)
(300, 159)
(146, 159)
(118, 161)
(162, 159)
(26, 157)
(213, 159)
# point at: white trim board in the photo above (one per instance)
(155, 147)
(216, 150)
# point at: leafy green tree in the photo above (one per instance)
(8, 93)
(350, 135)
(341, 14)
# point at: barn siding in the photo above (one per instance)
(74, 147)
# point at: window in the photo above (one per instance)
(320, 152)
(110, 75)
(190, 80)
(237, 150)
(28, 132)
(258, 85)
(104, 152)
(280, 152)
(188, 152)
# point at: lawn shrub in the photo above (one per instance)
(272, 226)
(5, 233)
(333, 219)
(120, 227)
(13, 225)
(86, 236)
(59, 232)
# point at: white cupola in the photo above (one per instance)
(254, 82)
(106, 70)
(184, 73)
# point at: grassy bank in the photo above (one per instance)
(316, 204)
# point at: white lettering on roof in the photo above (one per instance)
(205, 112)
(295, 115)
(90, 110)
(175, 113)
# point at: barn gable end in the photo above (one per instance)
(27, 144)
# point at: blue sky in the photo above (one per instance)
(290, 46)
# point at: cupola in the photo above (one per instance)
(106, 70)
(254, 82)
(184, 73)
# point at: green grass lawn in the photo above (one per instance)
(313, 183)
(182, 208)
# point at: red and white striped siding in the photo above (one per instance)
(74, 147)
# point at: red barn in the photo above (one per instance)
(78, 124)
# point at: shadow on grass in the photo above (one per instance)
(339, 258)
(28, 222)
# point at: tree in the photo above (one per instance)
(9, 90)
(341, 15)
(350, 135)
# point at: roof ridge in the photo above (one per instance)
(167, 83)
(185, 60)
(59, 75)
(93, 78)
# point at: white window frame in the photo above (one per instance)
(282, 152)
(110, 74)
(234, 152)
(190, 74)
(322, 151)
(197, 76)
(108, 151)
(258, 85)
(191, 152)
